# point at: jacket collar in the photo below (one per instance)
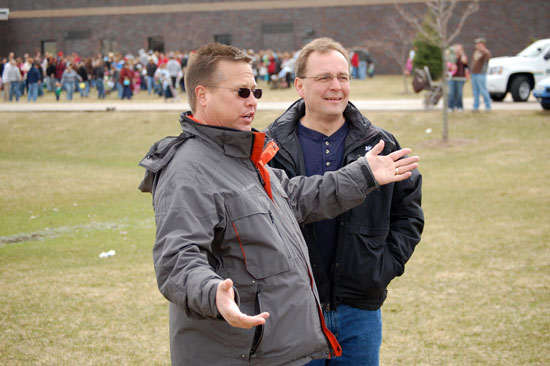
(287, 123)
(283, 131)
(232, 142)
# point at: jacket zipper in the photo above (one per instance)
(259, 331)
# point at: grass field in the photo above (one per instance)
(476, 291)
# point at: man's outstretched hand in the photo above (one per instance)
(225, 302)
(390, 168)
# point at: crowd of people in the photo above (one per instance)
(153, 72)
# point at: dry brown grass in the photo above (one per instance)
(476, 291)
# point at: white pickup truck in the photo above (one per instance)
(519, 74)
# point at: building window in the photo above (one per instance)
(223, 39)
(108, 45)
(48, 46)
(270, 28)
(156, 43)
(76, 34)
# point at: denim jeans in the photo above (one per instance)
(126, 92)
(15, 90)
(479, 86)
(69, 88)
(355, 72)
(33, 92)
(359, 332)
(150, 83)
(362, 70)
(100, 89)
(83, 91)
(455, 94)
(119, 89)
(51, 83)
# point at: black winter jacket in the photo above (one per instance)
(376, 238)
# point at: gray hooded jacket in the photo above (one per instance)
(221, 212)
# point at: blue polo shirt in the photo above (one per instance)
(323, 154)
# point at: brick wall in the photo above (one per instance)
(508, 26)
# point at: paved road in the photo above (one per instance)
(118, 105)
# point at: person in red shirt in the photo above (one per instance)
(125, 78)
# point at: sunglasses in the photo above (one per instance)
(243, 92)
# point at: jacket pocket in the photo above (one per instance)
(372, 236)
(369, 265)
(264, 251)
(259, 331)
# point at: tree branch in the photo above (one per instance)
(472, 8)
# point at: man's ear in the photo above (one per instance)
(299, 86)
(201, 95)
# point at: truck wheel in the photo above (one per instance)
(498, 97)
(545, 105)
(520, 89)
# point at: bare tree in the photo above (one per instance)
(442, 12)
(397, 47)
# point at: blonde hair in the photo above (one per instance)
(202, 67)
(322, 45)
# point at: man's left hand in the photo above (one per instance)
(225, 302)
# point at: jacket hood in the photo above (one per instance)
(235, 143)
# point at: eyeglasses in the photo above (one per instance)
(327, 78)
(243, 92)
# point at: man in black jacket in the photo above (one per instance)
(356, 255)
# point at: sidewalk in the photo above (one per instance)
(130, 106)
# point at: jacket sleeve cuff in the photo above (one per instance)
(371, 183)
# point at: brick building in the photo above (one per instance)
(125, 26)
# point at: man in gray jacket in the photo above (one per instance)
(229, 254)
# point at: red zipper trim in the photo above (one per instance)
(240, 244)
(331, 338)
(260, 157)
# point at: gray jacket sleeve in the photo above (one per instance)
(323, 197)
(186, 219)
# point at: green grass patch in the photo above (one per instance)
(476, 291)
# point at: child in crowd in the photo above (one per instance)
(57, 90)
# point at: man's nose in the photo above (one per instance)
(251, 100)
(334, 83)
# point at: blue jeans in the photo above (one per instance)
(33, 92)
(479, 86)
(126, 92)
(15, 89)
(50, 81)
(359, 332)
(100, 89)
(69, 88)
(119, 89)
(362, 70)
(455, 94)
(83, 91)
(150, 83)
